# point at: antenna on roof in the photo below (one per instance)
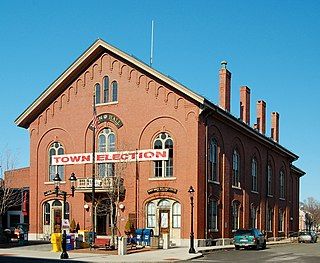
(151, 52)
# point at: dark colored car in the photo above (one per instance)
(249, 238)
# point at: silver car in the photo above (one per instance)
(307, 237)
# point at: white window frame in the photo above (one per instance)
(235, 215)
(176, 215)
(56, 148)
(105, 144)
(213, 215)
(214, 161)
(165, 168)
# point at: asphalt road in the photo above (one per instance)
(295, 252)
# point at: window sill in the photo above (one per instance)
(254, 192)
(107, 103)
(270, 195)
(213, 230)
(236, 187)
(282, 199)
(162, 178)
(213, 182)
(52, 183)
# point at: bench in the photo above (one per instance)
(103, 243)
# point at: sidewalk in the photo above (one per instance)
(173, 254)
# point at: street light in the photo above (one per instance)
(191, 249)
(57, 192)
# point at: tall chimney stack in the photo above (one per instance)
(245, 104)
(275, 126)
(261, 116)
(224, 86)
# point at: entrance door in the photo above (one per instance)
(57, 216)
(164, 222)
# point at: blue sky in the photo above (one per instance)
(271, 46)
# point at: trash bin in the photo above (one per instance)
(56, 242)
(139, 235)
(79, 240)
(147, 234)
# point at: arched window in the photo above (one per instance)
(254, 175)
(176, 215)
(98, 93)
(281, 221)
(212, 215)
(164, 204)
(213, 161)
(114, 87)
(46, 213)
(106, 89)
(151, 215)
(164, 168)
(106, 143)
(269, 177)
(281, 184)
(253, 216)
(236, 169)
(235, 215)
(269, 218)
(55, 148)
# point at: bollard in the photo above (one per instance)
(122, 246)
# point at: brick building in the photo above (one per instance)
(241, 177)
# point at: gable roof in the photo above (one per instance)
(97, 48)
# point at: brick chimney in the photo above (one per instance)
(261, 116)
(245, 104)
(275, 126)
(224, 86)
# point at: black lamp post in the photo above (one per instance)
(57, 180)
(191, 193)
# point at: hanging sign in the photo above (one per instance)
(111, 157)
(162, 189)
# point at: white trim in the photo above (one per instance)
(162, 178)
(107, 103)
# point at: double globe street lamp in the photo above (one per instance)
(58, 192)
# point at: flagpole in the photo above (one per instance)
(93, 168)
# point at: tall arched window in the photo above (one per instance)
(151, 215)
(254, 175)
(269, 218)
(253, 216)
(114, 87)
(236, 169)
(106, 143)
(56, 148)
(212, 215)
(46, 213)
(269, 177)
(281, 220)
(98, 93)
(106, 89)
(176, 215)
(281, 184)
(213, 161)
(164, 168)
(235, 215)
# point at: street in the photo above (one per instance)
(294, 252)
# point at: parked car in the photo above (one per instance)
(307, 237)
(249, 238)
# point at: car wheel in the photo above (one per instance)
(264, 246)
(237, 247)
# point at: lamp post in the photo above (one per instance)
(191, 249)
(57, 180)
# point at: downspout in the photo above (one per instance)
(206, 183)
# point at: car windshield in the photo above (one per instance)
(243, 232)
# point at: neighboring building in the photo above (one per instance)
(15, 197)
(241, 177)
